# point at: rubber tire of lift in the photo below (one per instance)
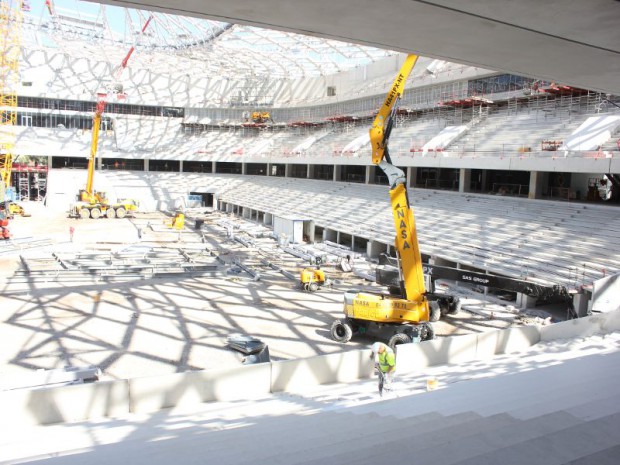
(313, 287)
(444, 305)
(84, 213)
(455, 306)
(95, 213)
(341, 331)
(434, 311)
(110, 213)
(121, 212)
(427, 333)
(398, 338)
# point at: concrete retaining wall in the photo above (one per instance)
(152, 393)
(302, 374)
(459, 349)
(148, 394)
(582, 327)
(60, 404)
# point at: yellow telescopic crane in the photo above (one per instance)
(94, 204)
(405, 313)
(88, 195)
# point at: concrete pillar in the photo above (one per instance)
(464, 180)
(310, 171)
(98, 163)
(412, 172)
(536, 185)
(580, 303)
(337, 171)
(310, 231)
(244, 168)
(330, 235)
(213, 167)
(287, 170)
(370, 171)
(374, 249)
(525, 301)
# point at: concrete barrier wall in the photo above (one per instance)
(455, 349)
(60, 404)
(582, 327)
(153, 393)
(302, 374)
(505, 341)
(466, 348)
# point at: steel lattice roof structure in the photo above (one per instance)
(187, 44)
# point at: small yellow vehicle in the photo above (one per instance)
(312, 279)
(17, 209)
(178, 222)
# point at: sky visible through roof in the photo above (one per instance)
(104, 32)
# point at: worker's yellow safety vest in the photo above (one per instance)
(386, 360)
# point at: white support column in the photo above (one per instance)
(464, 180)
(525, 301)
(536, 184)
(337, 171)
(374, 249)
(411, 176)
(580, 304)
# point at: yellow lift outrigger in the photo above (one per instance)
(403, 317)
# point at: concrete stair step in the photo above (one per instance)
(596, 408)
(317, 437)
(566, 398)
(425, 435)
(558, 447)
(347, 443)
(604, 457)
(462, 448)
(266, 438)
(524, 388)
(542, 394)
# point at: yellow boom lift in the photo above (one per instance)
(402, 315)
(91, 203)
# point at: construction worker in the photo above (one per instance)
(385, 363)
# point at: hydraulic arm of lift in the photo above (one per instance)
(412, 276)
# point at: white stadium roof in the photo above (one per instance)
(186, 44)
